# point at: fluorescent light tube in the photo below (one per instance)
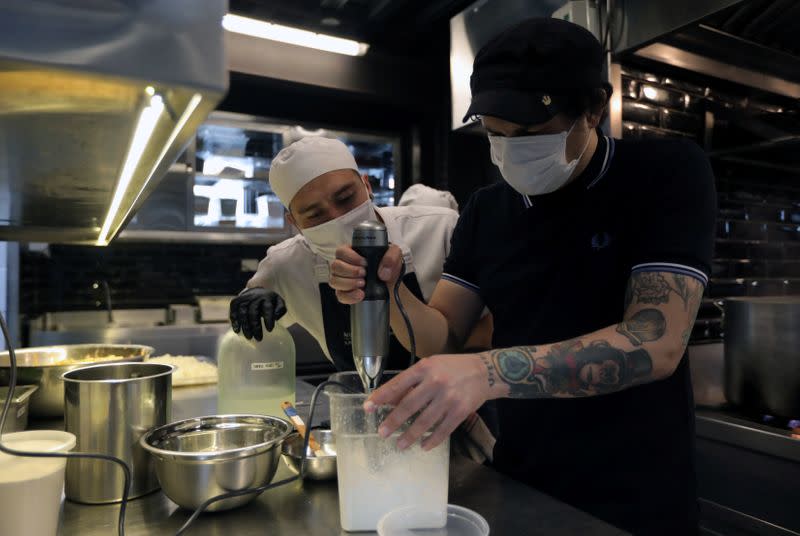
(194, 102)
(141, 135)
(293, 36)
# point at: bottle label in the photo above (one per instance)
(272, 365)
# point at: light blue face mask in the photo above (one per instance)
(534, 165)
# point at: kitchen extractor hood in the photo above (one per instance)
(750, 42)
(97, 100)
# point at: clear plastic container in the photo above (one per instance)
(406, 522)
(256, 376)
(374, 476)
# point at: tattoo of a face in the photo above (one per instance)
(646, 325)
(570, 369)
(489, 369)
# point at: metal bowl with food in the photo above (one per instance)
(199, 458)
(320, 465)
(44, 365)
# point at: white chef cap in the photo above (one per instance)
(305, 160)
(419, 194)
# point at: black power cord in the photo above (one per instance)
(12, 383)
(406, 319)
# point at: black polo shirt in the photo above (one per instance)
(554, 267)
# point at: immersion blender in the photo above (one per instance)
(369, 319)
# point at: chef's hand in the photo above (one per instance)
(349, 270)
(249, 307)
(445, 388)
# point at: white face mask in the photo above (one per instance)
(323, 239)
(534, 165)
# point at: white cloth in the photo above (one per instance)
(305, 160)
(293, 271)
(419, 194)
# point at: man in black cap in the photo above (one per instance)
(592, 255)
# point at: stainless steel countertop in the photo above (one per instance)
(718, 425)
(511, 508)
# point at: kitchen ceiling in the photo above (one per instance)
(394, 26)
(771, 23)
(758, 37)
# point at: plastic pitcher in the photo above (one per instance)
(375, 477)
(256, 376)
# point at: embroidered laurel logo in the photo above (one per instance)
(546, 100)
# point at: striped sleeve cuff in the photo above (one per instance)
(673, 268)
(463, 282)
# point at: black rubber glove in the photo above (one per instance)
(249, 307)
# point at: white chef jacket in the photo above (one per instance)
(295, 272)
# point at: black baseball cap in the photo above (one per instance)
(524, 74)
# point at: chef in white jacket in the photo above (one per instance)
(319, 183)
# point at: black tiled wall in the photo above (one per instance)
(757, 250)
(61, 278)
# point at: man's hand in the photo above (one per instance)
(445, 389)
(249, 307)
(349, 270)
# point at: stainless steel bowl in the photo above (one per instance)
(199, 458)
(317, 467)
(44, 366)
(17, 418)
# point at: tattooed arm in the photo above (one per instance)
(645, 346)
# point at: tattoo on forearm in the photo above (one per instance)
(654, 288)
(681, 288)
(649, 287)
(695, 300)
(570, 369)
(489, 368)
(687, 334)
(647, 325)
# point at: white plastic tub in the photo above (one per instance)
(31, 488)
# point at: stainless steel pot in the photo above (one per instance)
(17, 418)
(762, 354)
(108, 408)
(44, 366)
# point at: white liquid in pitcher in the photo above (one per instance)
(376, 478)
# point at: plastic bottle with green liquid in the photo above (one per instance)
(256, 376)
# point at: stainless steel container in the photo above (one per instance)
(17, 418)
(108, 408)
(44, 366)
(762, 354)
(199, 458)
(319, 465)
